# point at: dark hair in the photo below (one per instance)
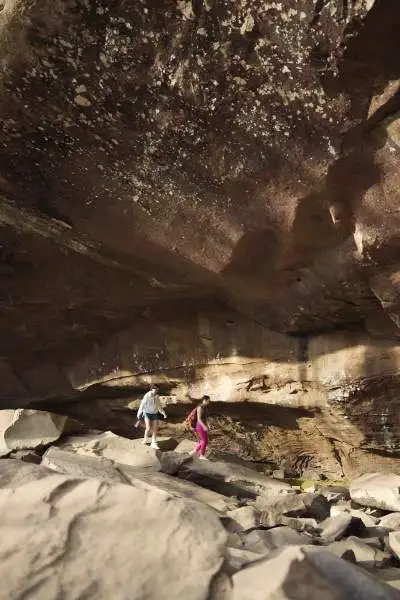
(155, 386)
(206, 398)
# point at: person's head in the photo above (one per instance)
(205, 400)
(155, 388)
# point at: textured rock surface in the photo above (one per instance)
(379, 490)
(28, 429)
(297, 574)
(159, 164)
(51, 544)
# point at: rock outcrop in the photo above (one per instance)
(176, 182)
(28, 429)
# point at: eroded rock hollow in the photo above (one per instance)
(206, 194)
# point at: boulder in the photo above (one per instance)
(231, 479)
(394, 543)
(236, 559)
(390, 576)
(23, 429)
(314, 506)
(171, 462)
(304, 573)
(300, 523)
(81, 466)
(335, 527)
(264, 542)
(366, 519)
(247, 517)
(117, 448)
(379, 490)
(334, 493)
(358, 551)
(69, 538)
(147, 479)
(14, 473)
(390, 522)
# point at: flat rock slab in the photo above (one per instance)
(117, 448)
(231, 479)
(379, 490)
(172, 486)
(81, 466)
(300, 573)
(68, 538)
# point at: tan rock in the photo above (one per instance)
(28, 429)
(73, 538)
(391, 521)
(379, 490)
(148, 479)
(14, 473)
(81, 465)
(300, 573)
(116, 448)
(247, 517)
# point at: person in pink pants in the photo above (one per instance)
(201, 428)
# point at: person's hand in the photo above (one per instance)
(164, 414)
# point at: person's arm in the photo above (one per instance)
(159, 407)
(199, 418)
(140, 410)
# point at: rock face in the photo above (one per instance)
(177, 181)
(28, 429)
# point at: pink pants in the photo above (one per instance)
(203, 437)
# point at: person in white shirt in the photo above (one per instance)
(150, 408)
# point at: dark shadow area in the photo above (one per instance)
(103, 408)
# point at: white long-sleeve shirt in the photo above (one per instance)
(150, 404)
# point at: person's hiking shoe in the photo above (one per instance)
(203, 458)
(192, 453)
(154, 445)
(145, 442)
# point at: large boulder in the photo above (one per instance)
(300, 573)
(313, 506)
(86, 538)
(115, 447)
(22, 429)
(361, 552)
(84, 466)
(379, 490)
